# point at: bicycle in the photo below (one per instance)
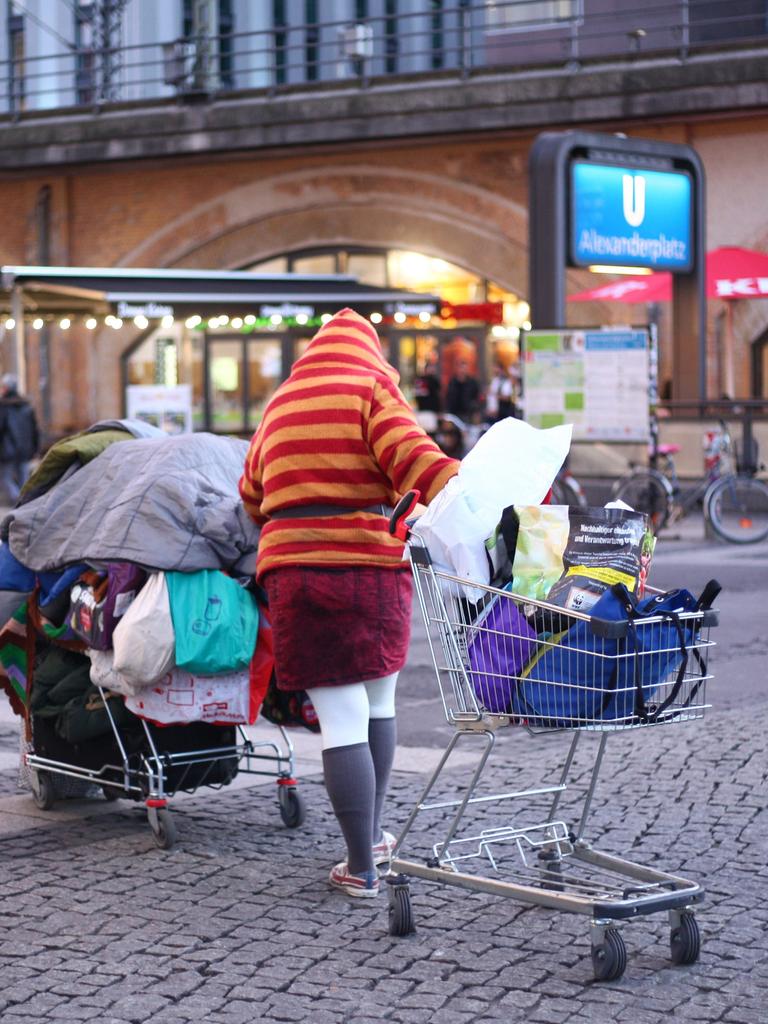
(734, 501)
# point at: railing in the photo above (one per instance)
(454, 39)
(746, 411)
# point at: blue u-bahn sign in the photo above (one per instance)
(624, 216)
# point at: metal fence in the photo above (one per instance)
(458, 38)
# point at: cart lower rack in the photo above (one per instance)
(151, 764)
(502, 660)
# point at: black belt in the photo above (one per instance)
(311, 511)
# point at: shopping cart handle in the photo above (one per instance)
(397, 521)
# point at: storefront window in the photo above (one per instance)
(278, 265)
(264, 372)
(420, 273)
(368, 268)
(324, 263)
(196, 376)
(226, 383)
(415, 352)
(156, 359)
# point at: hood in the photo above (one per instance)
(347, 340)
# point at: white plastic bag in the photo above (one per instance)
(103, 673)
(144, 642)
(181, 697)
(512, 464)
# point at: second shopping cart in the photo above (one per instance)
(506, 661)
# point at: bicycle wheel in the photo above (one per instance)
(646, 490)
(737, 508)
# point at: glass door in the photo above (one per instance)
(242, 373)
(265, 371)
(226, 385)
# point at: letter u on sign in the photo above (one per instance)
(634, 199)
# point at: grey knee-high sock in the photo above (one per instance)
(351, 785)
(382, 737)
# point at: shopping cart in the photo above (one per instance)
(557, 691)
(150, 764)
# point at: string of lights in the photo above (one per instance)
(197, 322)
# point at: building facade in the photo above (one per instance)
(387, 140)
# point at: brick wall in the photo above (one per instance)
(459, 198)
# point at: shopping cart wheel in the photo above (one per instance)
(43, 791)
(609, 958)
(293, 810)
(685, 939)
(551, 867)
(163, 827)
(400, 912)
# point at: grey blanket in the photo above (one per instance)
(164, 503)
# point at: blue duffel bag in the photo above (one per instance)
(609, 668)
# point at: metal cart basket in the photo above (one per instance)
(150, 764)
(505, 661)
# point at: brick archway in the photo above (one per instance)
(358, 205)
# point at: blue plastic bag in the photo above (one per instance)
(215, 621)
(592, 673)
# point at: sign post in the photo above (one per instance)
(608, 201)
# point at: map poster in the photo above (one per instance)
(597, 380)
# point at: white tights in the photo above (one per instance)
(344, 711)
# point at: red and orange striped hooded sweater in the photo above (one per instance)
(337, 432)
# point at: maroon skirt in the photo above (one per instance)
(332, 627)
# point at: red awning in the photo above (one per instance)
(732, 273)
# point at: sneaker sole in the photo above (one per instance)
(354, 892)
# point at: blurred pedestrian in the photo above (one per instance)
(463, 395)
(19, 437)
(426, 387)
(500, 399)
(338, 444)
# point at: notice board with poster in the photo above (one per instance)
(596, 379)
(164, 406)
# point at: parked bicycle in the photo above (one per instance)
(734, 501)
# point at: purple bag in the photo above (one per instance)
(99, 599)
(500, 645)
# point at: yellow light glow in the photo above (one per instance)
(237, 322)
(301, 318)
(376, 318)
(526, 325)
(167, 321)
(424, 316)
(141, 322)
(91, 322)
(192, 321)
(10, 323)
(325, 318)
(223, 320)
(399, 318)
(250, 319)
(275, 319)
(598, 268)
(38, 322)
(64, 323)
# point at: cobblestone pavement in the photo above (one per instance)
(237, 925)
